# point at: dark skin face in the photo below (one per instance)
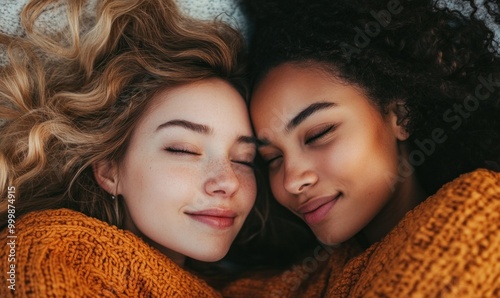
(332, 154)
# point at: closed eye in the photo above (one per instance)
(180, 151)
(320, 134)
(250, 164)
(270, 161)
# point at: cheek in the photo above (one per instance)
(339, 161)
(159, 183)
(183, 184)
(248, 188)
(363, 164)
(356, 154)
(133, 177)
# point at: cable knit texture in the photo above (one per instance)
(448, 246)
(64, 253)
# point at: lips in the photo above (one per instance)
(215, 218)
(315, 210)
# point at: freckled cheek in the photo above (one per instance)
(248, 189)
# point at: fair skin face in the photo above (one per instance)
(332, 154)
(186, 178)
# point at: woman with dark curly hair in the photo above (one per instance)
(379, 122)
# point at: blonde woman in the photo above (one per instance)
(126, 150)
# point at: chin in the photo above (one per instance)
(332, 240)
(210, 255)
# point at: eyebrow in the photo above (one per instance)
(203, 129)
(199, 128)
(248, 140)
(305, 113)
(299, 118)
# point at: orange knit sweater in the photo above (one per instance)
(63, 253)
(448, 246)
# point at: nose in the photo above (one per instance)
(299, 177)
(222, 180)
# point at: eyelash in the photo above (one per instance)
(308, 141)
(320, 134)
(180, 151)
(184, 151)
(245, 163)
(268, 162)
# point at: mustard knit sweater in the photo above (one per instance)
(448, 246)
(63, 253)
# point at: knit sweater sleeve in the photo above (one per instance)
(63, 253)
(446, 247)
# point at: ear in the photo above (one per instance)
(398, 116)
(106, 174)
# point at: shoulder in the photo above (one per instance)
(68, 253)
(448, 245)
(481, 184)
(469, 194)
(49, 227)
(461, 204)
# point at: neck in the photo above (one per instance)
(407, 195)
(176, 257)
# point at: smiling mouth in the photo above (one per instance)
(315, 211)
(215, 218)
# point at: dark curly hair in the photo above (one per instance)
(443, 64)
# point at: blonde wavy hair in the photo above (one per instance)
(71, 100)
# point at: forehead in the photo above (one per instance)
(289, 89)
(293, 72)
(212, 102)
(198, 96)
(289, 82)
